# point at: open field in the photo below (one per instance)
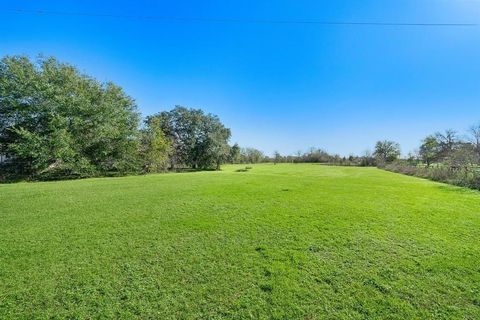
(279, 241)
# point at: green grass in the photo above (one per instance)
(276, 242)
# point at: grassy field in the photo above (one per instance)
(276, 242)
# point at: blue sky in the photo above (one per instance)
(284, 87)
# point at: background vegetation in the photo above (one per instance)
(445, 157)
(58, 123)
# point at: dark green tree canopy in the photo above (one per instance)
(199, 140)
(56, 121)
(155, 148)
(234, 154)
(387, 151)
(429, 149)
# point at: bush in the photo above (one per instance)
(467, 176)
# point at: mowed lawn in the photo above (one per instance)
(283, 241)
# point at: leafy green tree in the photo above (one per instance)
(212, 148)
(56, 122)
(251, 155)
(429, 150)
(155, 147)
(386, 151)
(234, 154)
(219, 147)
(199, 140)
(277, 157)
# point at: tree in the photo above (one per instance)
(155, 147)
(430, 150)
(463, 156)
(447, 142)
(251, 155)
(55, 121)
(234, 155)
(413, 158)
(277, 157)
(367, 159)
(199, 140)
(317, 155)
(386, 151)
(475, 139)
(215, 146)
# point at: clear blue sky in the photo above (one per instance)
(283, 87)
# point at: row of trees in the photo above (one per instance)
(385, 152)
(446, 157)
(448, 149)
(56, 122)
(317, 155)
(451, 149)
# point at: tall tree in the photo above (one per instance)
(430, 150)
(387, 151)
(199, 140)
(234, 155)
(155, 147)
(277, 157)
(55, 121)
(251, 155)
(447, 141)
(475, 139)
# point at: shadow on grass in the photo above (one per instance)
(11, 179)
(458, 189)
(188, 170)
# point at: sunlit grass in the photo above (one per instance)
(275, 241)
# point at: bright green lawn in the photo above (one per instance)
(283, 242)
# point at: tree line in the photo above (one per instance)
(445, 156)
(56, 122)
(318, 155)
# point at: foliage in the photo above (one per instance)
(277, 157)
(430, 149)
(316, 155)
(199, 140)
(234, 154)
(467, 176)
(447, 158)
(475, 138)
(386, 151)
(155, 147)
(447, 142)
(251, 155)
(55, 121)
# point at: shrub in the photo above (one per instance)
(467, 176)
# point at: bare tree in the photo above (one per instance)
(386, 151)
(447, 141)
(475, 138)
(277, 157)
